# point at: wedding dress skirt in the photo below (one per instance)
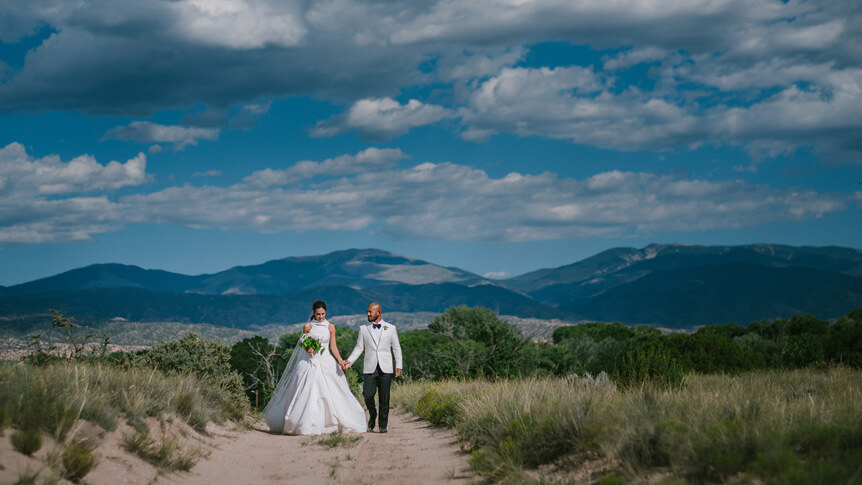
(315, 398)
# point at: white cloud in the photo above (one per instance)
(368, 160)
(240, 24)
(633, 57)
(41, 201)
(455, 202)
(381, 119)
(208, 173)
(147, 132)
(23, 174)
(722, 57)
(258, 108)
(576, 104)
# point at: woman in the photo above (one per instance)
(313, 396)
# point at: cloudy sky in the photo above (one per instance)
(496, 136)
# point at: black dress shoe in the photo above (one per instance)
(382, 430)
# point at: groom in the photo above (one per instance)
(379, 340)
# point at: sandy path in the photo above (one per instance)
(412, 452)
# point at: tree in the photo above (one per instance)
(260, 364)
(481, 341)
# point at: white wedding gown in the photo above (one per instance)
(315, 398)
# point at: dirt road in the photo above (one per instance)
(411, 452)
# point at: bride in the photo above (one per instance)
(312, 396)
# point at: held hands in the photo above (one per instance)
(345, 364)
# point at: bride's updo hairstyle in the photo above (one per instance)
(315, 306)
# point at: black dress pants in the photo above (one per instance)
(377, 382)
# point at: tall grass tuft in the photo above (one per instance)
(163, 453)
(77, 461)
(5, 420)
(27, 442)
(801, 426)
(52, 398)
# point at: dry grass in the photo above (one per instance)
(802, 426)
(54, 397)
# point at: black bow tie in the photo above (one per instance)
(375, 325)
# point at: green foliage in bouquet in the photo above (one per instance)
(310, 343)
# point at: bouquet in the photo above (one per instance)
(309, 342)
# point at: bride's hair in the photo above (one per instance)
(315, 306)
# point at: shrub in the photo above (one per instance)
(594, 331)
(77, 461)
(27, 442)
(438, 408)
(844, 343)
(5, 420)
(482, 343)
(802, 350)
(204, 358)
(649, 363)
(28, 478)
(162, 453)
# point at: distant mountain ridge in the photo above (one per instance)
(356, 268)
(845, 260)
(669, 285)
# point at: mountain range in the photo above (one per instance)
(670, 285)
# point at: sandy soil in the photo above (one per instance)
(411, 452)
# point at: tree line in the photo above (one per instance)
(474, 342)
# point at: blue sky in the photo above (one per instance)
(496, 136)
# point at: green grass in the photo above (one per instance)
(337, 439)
(163, 453)
(802, 426)
(77, 460)
(52, 398)
(26, 442)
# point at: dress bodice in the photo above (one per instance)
(320, 331)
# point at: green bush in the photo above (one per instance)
(438, 408)
(77, 461)
(649, 363)
(802, 350)
(491, 346)
(26, 441)
(5, 420)
(709, 354)
(844, 343)
(204, 358)
(545, 434)
(594, 331)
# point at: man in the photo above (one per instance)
(379, 341)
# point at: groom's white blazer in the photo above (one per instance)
(378, 352)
